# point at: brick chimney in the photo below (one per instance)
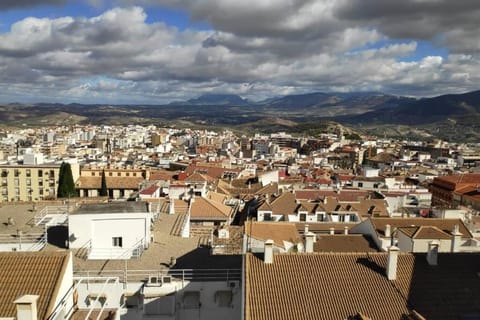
(332, 231)
(432, 254)
(268, 254)
(27, 307)
(345, 230)
(456, 239)
(392, 260)
(309, 239)
(305, 231)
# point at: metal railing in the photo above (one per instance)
(25, 241)
(117, 253)
(50, 210)
(177, 274)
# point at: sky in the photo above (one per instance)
(158, 51)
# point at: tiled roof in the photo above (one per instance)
(276, 231)
(344, 243)
(270, 188)
(203, 208)
(461, 178)
(324, 227)
(445, 225)
(342, 285)
(321, 286)
(343, 195)
(284, 204)
(424, 232)
(217, 197)
(36, 273)
(150, 190)
(198, 177)
(112, 182)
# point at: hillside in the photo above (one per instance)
(453, 117)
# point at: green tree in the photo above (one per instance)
(66, 185)
(103, 189)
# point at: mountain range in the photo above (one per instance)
(450, 116)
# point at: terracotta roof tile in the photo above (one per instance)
(445, 225)
(425, 232)
(37, 273)
(203, 208)
(112, 182)
(342, 285)
(276, 231)
(344, 243)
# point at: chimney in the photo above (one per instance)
(27, 307)
(392, 262)
(332, 231)
(345, 230)
(432, 254)
(309, 238)
(456, 239)
(306, 228)
(268, 254)
(388, 231)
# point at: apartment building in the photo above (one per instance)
(30, 182)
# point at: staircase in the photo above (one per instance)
(178, 225)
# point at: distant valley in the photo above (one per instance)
(450, 117)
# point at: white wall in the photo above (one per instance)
(65, 285)
(268, 177)
(100, 228)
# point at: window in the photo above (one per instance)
(134, 174)
(320, 217)
(29, 182)
(128, 174)
(223, 298)
(341, 218)
(28, 172)
(110, 174)
(16, 172)
(40, 173)
(17, 182)
(4, 173)
(360, 184)
(93, 174)
(118, 174)
(117, 242)
(40, 182)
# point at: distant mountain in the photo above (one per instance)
(365, 101)
(453, 116)
(215, 100)
(427, 110)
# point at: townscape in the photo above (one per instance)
(239, 160)
(197, 224)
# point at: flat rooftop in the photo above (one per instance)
(113, 207)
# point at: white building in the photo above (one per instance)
(118, 230)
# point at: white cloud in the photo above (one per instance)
(255, 48)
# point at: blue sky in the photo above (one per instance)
(157, 51)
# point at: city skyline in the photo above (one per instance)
(154, 52)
